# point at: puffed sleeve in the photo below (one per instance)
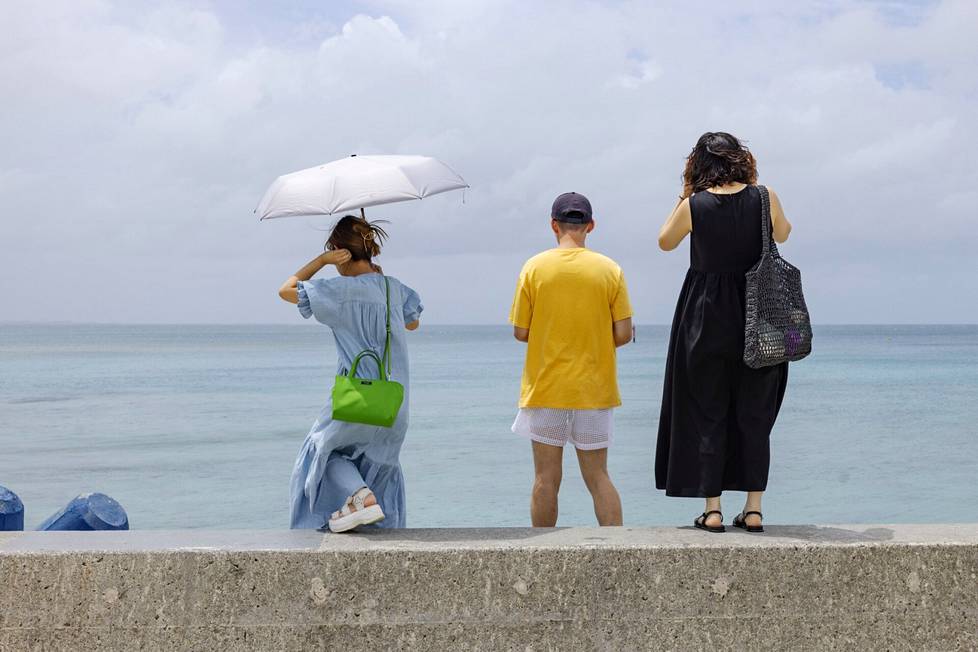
(412, 305)
(316, 300)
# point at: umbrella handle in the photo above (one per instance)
(363, 214)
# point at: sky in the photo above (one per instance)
(136, 140)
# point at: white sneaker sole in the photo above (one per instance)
(365, 516)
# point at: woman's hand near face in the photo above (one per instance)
(336, 257)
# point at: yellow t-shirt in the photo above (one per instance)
(568, 299)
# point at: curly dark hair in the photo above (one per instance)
(361, 238)
(718, 158)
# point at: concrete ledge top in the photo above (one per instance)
(445, 540)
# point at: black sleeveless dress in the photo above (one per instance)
(717, 413)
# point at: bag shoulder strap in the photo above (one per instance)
(383, 362)
(768, 246)
(387, 344)
(765, 220)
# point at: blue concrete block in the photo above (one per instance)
(11, 511)
(88, 512)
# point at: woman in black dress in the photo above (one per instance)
(717, 413)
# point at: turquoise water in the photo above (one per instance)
(198, 426)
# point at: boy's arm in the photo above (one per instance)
(623, 331)
(621, 313)
(522, 311)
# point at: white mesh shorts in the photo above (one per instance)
(586, 429)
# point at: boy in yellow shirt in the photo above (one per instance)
(571, 308)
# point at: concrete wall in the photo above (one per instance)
(804, 587)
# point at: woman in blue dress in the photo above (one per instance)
(348, 474)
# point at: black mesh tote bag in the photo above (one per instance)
(778, 328)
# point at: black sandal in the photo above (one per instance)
(740, 520)
(700, 522)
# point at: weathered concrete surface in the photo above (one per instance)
(802, 587)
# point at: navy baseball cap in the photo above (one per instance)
(572, 208)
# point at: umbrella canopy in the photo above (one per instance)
(357, 182)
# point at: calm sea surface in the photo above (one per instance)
(198, 426)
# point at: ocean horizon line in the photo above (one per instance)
(428, 324)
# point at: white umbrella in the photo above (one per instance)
(357, 182)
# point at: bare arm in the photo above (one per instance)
(782, 227)
(522, 334)
(622, 330)
(289, 291)
(677, 226)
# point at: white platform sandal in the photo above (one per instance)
(347, 518)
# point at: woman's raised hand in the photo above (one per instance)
(336, 257)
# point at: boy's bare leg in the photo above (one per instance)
(547, 462)
(594, 469)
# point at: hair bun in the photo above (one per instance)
(360, 237)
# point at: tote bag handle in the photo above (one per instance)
(370, 354)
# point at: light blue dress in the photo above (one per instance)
(339, 457)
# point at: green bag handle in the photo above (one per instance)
(385, 363)
(370, 354)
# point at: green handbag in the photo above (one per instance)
(373, 401)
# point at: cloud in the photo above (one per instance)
(137, 141)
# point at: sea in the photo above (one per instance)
(199, 426)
